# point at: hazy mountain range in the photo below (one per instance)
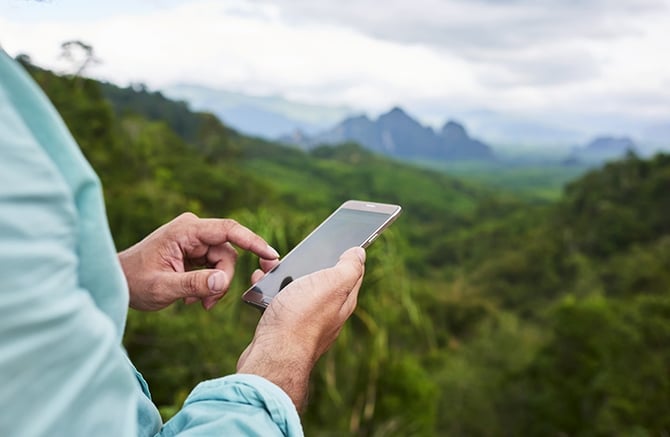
(602, 149)
(263, 116)
(397, 134)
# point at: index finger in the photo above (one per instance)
(218, 231)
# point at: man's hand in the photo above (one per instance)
(301, 323)
(190, 258)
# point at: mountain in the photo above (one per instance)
(397, 134)
(460, 145)
(523, 136)
(264, 116)
(602, 149)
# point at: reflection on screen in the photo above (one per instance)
(346, 228)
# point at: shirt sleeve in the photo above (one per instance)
(236, 405)
(63, 369)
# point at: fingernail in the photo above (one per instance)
(274, 252)
(217, 282)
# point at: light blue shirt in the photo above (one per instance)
(64, 301)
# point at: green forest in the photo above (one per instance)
(484, 312)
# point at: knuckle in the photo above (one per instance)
(340, 283)
(351, 271)
(187, 217)
(230, 223)
(190, 283)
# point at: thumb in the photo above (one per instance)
(199, 283)
(354, 254)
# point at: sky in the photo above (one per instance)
(592, 65)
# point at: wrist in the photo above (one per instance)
(287, 367)
(123, 261)
(129, 265)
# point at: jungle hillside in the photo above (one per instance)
(484, 311)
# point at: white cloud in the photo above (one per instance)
(523, 57)
(250, 48)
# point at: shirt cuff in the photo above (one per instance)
(252, 390)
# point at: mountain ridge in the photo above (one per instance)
(280, 115)
(397, 134)
(603, 148)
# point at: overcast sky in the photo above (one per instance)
(566, 59)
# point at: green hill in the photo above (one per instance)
(481, 313)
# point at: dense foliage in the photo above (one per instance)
(481, 313)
